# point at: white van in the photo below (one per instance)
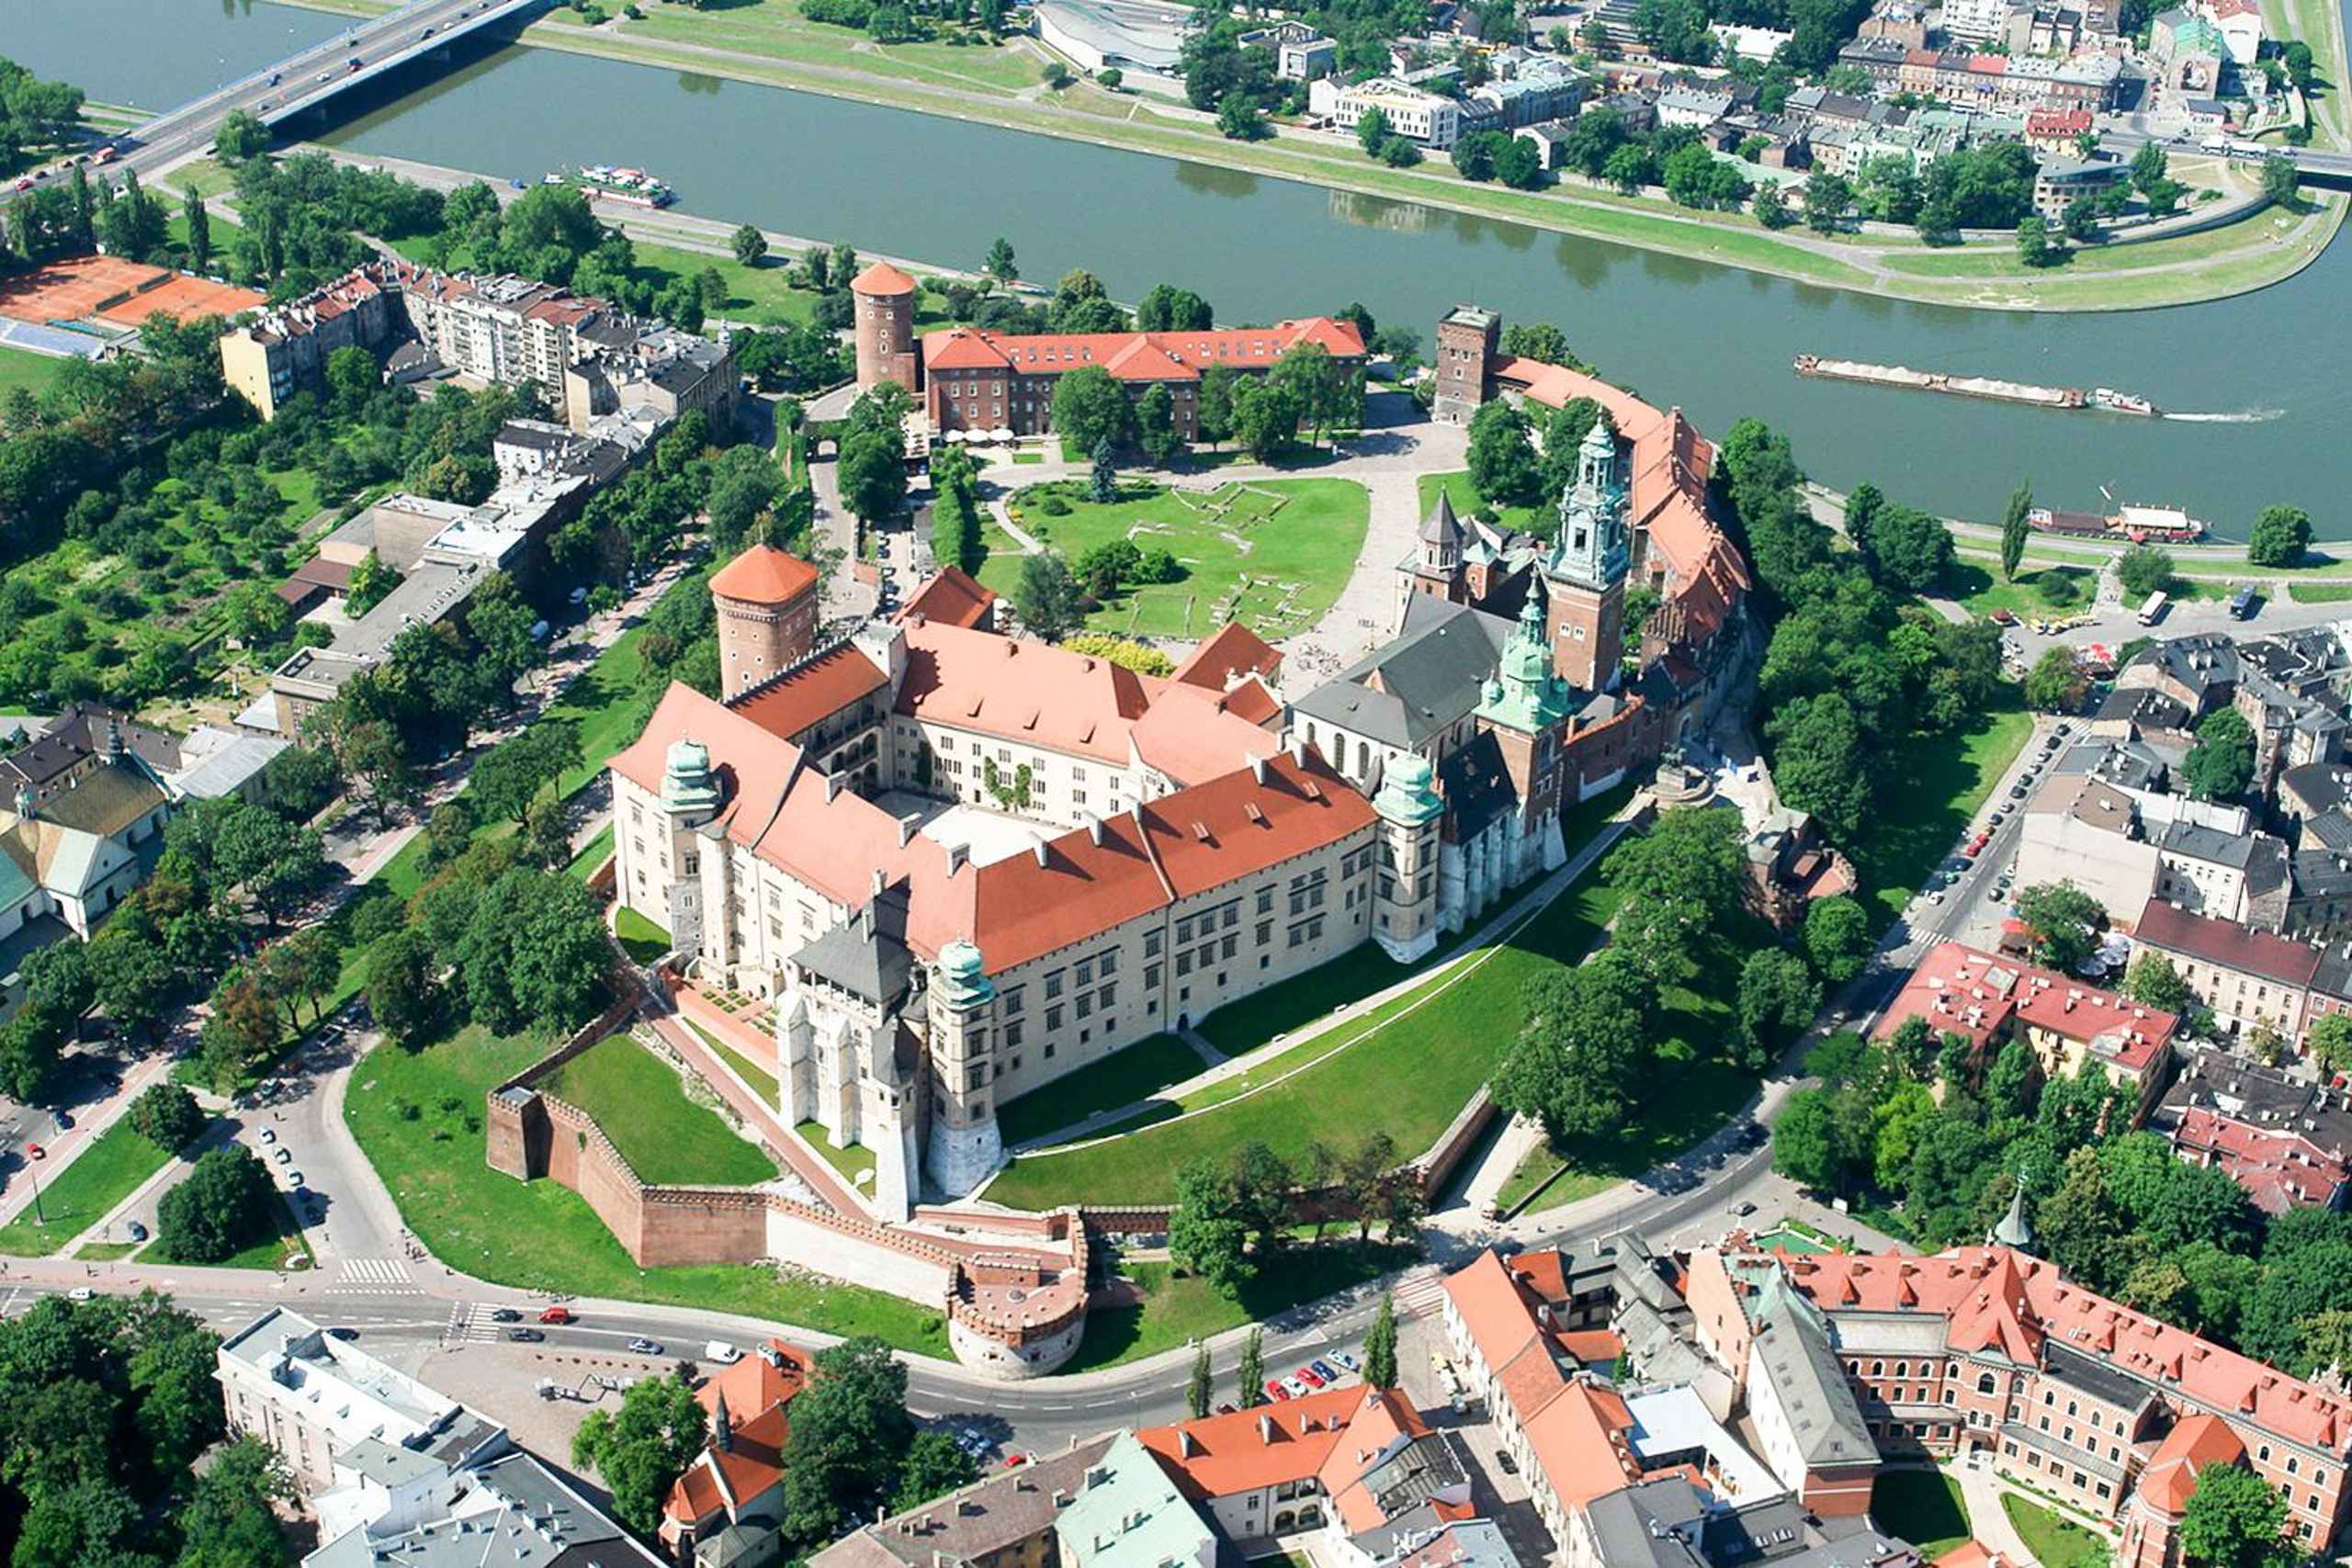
(719, 1350)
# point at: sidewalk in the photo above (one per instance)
(1987, 1520)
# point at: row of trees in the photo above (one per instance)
(1236, 1216)
(105, 1406)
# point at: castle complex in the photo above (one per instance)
(960, 865)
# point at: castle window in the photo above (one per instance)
(1054, 1018)
(1110, 962)
(1012, 1033)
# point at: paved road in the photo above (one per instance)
(185, 131)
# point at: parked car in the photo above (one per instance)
(558, 1314)
(1341, 1358)
(719, 1350)
(138, 1232)
(1324, 1370)
(1275, 1390)
(36, 1150)
(269, 1134)
(284, 1156)
(1308, 1376)
(1745, 1209)
(1297, 1389)
(524, 1335)
(1504, 1462)
(1227, 1407)
(339, 1332)
(64, 1119)
(79, 1293)
(645, 1347)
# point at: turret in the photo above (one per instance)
(1405, 907)
(1587, 569)
(964, 1144)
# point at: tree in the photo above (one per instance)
(1821, 762)
(873, 472)
(1826, 198)
(1265, 418)
(1156, 424)
(640, 1450)
(1170, 309)
(2056, 683)
(2151, 981)
(533, 948)
(403, 985)
(1584, 1046)
(1837, 938)
(936, 1465)
(2034, 248)
(2016, 525)
(1380, 1345)
(1909, 550)
(302, 967)
(850, 1435)
(1251, 1372)
(2149, 166)
(1090, 407)
(2235, 1518)
(1206, 1233)
(1778, 995)
(228, 1520)
(2079, 221)
(198, 219)
(1503, 468)
(505, 783)
(271, 859)
(1045, 596)
(2279, 538)
(1772, 208)
(241, 136)
(2144, 568)
(1371, 130)
(167, 1116)
(1808, 1144)
(1518, 164)
(2282, 182)
(1474, 155)
(2220, 765)
(1213, 408)
(2064, 920)
(1102, 482)
(2329, 1040)
(1000, 264)
(1200, 1390)
(223, 1206)
(371, 580)
(750, 245)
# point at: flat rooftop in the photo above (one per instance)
(987, 836)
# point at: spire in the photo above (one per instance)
(722, 1435)
(1441, 527)
(2013, 1230)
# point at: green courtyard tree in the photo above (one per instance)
(1380, 1345)
(2065, 923)
(1156, 424)
(2279, 536)
(167, 1116)
(1102, 480)
(2220, 765)
(750, 245)
(1212, 407)
(1838, 938)
(1045, 596)
(223, 1206)
(639, 1449)
(873, 472)
(1265, 419)
(2235, 1519)
(1089, 408)
(1503, 468)
(2329, 1040)
(506, 781)
(2151, 981)
(1778, 996)
(1371, 130)
(2017, 527)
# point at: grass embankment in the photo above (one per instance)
(1924, 1506)
(762, 1081)
(418, 1117)
(641, 938)
(853, 1164)
(1137, 1072)
(641, 1105)
(1932, 786)
(1273, 554)
(21, 367)
(591, 854)
(1178, 1309)
(101, 1177)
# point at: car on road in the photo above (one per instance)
(719, 1350)
(1343, 1359)
(36, 1150)
(64, 1119)
(1745, 1209)
(79, 1293)
(138, 1232)
(2016, 792)
(339, 1332)
(274, 77)
(1274, 1390)
(558, 1314)
(326, 75)
(505, 1315)
(1310, 1377)
(1504, 1462)
(2063, 729)
(524, 1335)
(1298, 1389)
(645, 1347)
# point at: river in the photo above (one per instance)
(1714, 340)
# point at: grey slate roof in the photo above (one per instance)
(866, 954)
(2096, 1378)
(510, 1512)
(1793, 1356)
(1427, 678)
(2188, 839)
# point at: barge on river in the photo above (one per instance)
(2138, 525)
(602, 181)
(1992, 388)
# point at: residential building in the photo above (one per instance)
(268, 359)
(501, 1509)
(1990, 1001)
(1693, 106)
(1430, 118)
(1126, 1512)
(1007, 1519)
(1674, 1522)
(2060, 183)
(2241, 876)
(2189, 48)
(2250, 979)
(2286, 1141)
(2240, 24)
(2057, 131)
(952, 598)
(978, 380)
(1301, 53)
(1977, 21)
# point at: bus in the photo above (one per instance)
(2153, 610)
(2242, 605)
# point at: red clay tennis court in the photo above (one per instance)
(115, 290)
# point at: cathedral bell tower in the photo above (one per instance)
(1586, 569)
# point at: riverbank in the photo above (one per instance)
(768, 44)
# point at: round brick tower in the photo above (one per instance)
(766, 604)
(885, 297)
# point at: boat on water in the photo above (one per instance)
(634, 187)
(1903, 375)
(2128, 522)
(2109, 400)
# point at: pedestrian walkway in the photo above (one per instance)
(1987, 1520)
(374, 1277)
(1420, 1292)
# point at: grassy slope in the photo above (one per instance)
(2055, 1541)
(541, 1235)
(643, 1108)
(1136, 1072)
(100, 1177)
(1932, 789)
(1527, 519)
(1178, 1309)
(19, 367)
(1309, 539)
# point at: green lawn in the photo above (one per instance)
(641, 938)
(418, 1116)
(1138, 1072)
(1526, 519)
(2319, 592)
(593, 855)
(21, 367)
(762, 1081)
(1924, 1506)
(1541, 1165)
(1930, 788)
(1240, 1027)
(104, 1251)
(101, 1177)
(777, 28)
(1273, 554)
(855, 1164)
(1176, 1309)
(2055, 1541)
(1981, 592)
(642, 1106)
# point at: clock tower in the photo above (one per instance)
(1586, 569)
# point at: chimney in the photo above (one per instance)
(877, 892)
(908, 828)
(1094, 829)
(958, 856)
(1257, 767)
(1038, 847)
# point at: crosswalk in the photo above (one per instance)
(374, 1277)
(1418, 1294)
(469, 1325)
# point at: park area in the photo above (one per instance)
(1933, 786)
(1271, 554)
(101, 1177)
(418, 1116)
(1442, 1036)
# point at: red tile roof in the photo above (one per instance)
(882, 278)
(952, 598)
(763, 575)
(2201, 1440)
(1226, 656)
(733, 1477)
(1134, 357)
(1964, 991)
(2227, 945)
(1996, 1296)
(755, 1382)
(812, 691)
(1220, 1456)
(2057, 122)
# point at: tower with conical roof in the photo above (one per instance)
(2013, 1229)
(766, 602)
(964, 1144)
(883, 300)
(1587, 567)
(1435, 565)
(1405, 907)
